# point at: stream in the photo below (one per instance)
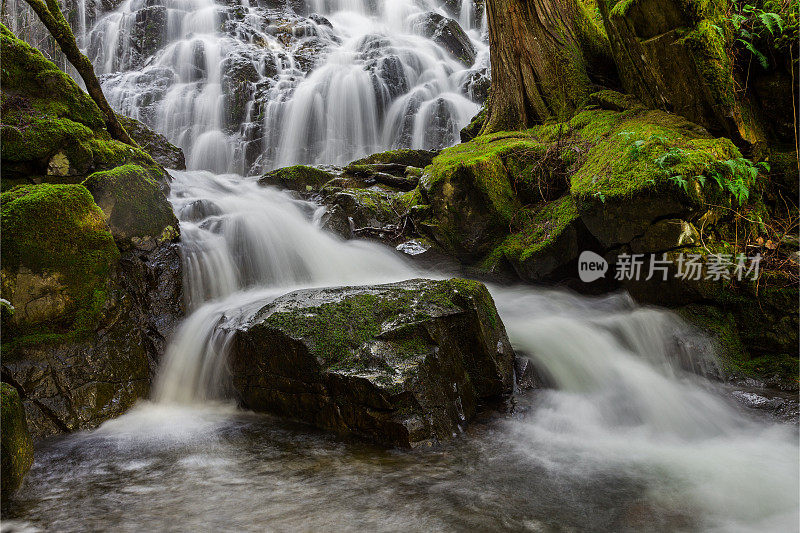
(630, 437)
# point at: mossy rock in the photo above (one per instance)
(26, 71)
(643, 165)
(134, 205)
(299, 178)
(473, 129)
(58, 256)
(405, 157)
(726, 325)
(720, 326)
(401, 364)
(548, 241)
(17, 445)
(51, 130)
(468, 189)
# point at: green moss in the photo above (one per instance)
(17, 446)
(338, 331)
(58, 229)
(297, 178)
(707, 42)
(642, 150)
(484, 161)
(783, 366)
(407, 157)
(404, 202)
(26, 71)
(44, 112)
(720, 326)
(132, 201)
(542, 227)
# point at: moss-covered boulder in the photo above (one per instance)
(403, 364)
(299, 178)
(16, 445)
(51, 130)
(550, 238)
(58, 256)
(133, 205)
(86, 323)
(405, 157)
(641, 166)
(467, 200)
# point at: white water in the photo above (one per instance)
(244, 87)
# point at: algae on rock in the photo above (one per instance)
(403, 364)
(17, 446)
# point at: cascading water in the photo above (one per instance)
(243, 244)
(245, 87)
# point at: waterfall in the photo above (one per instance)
(249, 86)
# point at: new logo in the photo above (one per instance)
(591, 266)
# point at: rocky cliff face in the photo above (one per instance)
(90, 265)
(403, 364)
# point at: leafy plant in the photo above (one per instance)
(756, 29)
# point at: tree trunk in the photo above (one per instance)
(540, 53)
(51, 16)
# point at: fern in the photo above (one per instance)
(771, 21)
(762, 59)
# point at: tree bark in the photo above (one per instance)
(51, 16)
(540, 53)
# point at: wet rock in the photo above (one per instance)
(299, 178)
(239, 74)
(527, 376)
(134, 205)
(477, 85)
(776, 404)
(149, 33)
(413, 247)
(448, 34)
(160, 149)
(404, 157)
(369, 210)
(16, 442)
(74, 380)
(403, 364)
(473, 129)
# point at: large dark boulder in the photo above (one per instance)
(16, 445)
(402, 364)
(449, 35)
